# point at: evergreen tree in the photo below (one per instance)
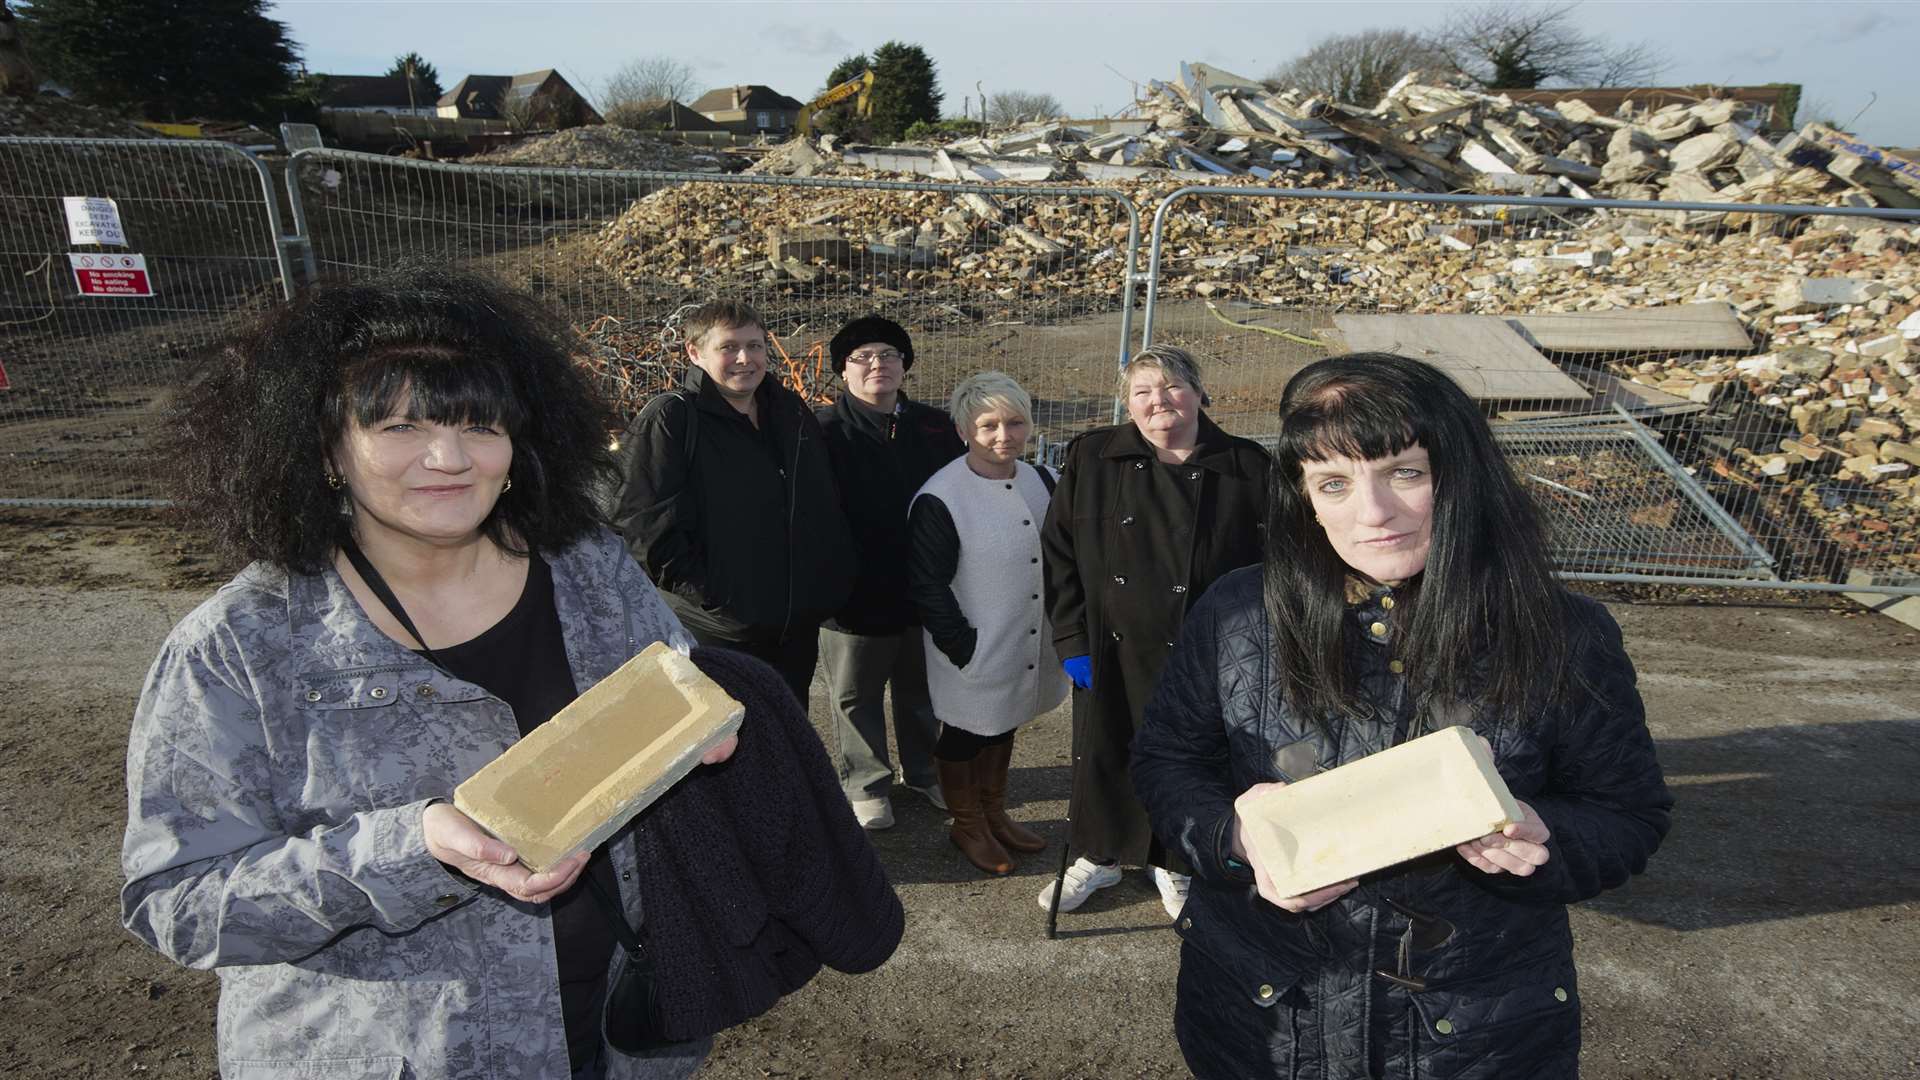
(844, 70)
(166, 59)
(905, 89)
(426, 80)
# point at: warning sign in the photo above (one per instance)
(111, 275)
(93, 220)
(3, 377)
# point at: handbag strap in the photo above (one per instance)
(385, 594)
(629, 939)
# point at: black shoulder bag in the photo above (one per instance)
(631, 1018)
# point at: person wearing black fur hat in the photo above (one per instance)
(883, 447)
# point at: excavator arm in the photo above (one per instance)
(861, 85)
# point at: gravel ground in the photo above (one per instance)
(1775, 935)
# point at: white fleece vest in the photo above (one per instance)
(1013, 675)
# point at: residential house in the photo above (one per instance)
(371, 94)
(750, 110)
(661, 114)
(542, 99)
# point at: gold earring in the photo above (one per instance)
(335, 482)
(506, 487)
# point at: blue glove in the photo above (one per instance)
(1080, 670)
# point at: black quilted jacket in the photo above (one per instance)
(1429, 969)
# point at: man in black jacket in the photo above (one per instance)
(883, 447)
(730, 502)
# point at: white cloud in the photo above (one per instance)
(812, 40)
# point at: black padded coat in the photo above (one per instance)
(1428, 969)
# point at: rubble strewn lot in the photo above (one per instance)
(603, 146)
(1811, 407)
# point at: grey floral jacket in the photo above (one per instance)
(282, 754)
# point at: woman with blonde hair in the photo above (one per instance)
(973, 562)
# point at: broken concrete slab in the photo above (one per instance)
(1709, 327)
(1487, 357)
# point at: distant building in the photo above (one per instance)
(661, 114)
(750, 110)
(1764, 106)
(371, 94)
(542, 98)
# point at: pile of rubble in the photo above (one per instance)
(604, 146)
(51, 115)
(1427, 137)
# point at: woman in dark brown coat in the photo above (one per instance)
(1147, 514)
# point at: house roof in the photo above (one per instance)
(480, 95)
(367, 92)
(670, 115)
(749, 96)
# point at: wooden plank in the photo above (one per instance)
(1488, 358)
(1709, 327)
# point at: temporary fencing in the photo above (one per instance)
(1603, 339)
(623, 254)
(121, 261)
(1542, 308)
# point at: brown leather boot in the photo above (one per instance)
(969, 832)
(990, 772)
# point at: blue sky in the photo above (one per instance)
(1085, 54)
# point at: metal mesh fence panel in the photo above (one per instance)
(86, 372)
(1030, 280)
(1692, 393)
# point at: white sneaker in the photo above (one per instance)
(1083, 877)
(931, 793)
(1173, 890)
(873, 813)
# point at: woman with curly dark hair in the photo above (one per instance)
(409, 463)
(1406, 588)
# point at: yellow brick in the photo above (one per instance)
(1422, 796)
(581, 776)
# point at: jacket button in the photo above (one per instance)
(1443, 1025)
(1179, 588)
(377, 693)
(626, 875)
(1128, 520)
(425, 690)
(1116, 635)
(1029, 667)
(1119, 579)
(313, 695)
(1559, 993)
(1139, 464)
(446, 901)
(1036, 596)
(1194, 475)
(1033, 560)
(1035, 630)
(1265, 992)
(1186, 924)
(1009, 487)
(1387, 602)
(1396, 666)
(1378, 629)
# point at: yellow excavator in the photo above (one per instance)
(861, 84)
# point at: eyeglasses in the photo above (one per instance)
(884, 356)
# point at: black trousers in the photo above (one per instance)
(793, 658)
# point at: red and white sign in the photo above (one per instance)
(3, 376)
(111, 275)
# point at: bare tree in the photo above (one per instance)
(650, 78)
(1516, 46)
(1358, 68)
(1018, 106)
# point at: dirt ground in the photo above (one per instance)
(1777, 934)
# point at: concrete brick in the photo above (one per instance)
(1422, 796)
(581, 776)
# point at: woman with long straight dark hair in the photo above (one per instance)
(1406, 588)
